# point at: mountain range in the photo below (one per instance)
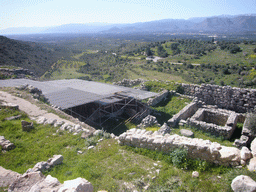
(216, 24)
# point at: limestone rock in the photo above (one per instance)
(243, 183)
(49, 184)
(50, 121)
(13, 118)
(58, 123)
(148, 121)
(41, 120)
(164, 129)
(6, 144)
(7, 177)
(245, 153)
(253, 147)
(195, 174)
(25, 182)
(98, 132)
(40, 166)
(85, 135)
(76, 185)
(252, 164)
(228, 154)
(55, 160)
(27, 126)
(186, 133)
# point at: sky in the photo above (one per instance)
(45, 13)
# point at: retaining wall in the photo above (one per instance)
(226, 97)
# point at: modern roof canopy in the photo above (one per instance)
(74, 92)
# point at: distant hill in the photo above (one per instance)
(227, 24)
(222, 23)
(32, 56)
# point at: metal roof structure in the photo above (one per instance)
(74, 92)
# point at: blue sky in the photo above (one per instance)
(42, 13)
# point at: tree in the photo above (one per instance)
(161, 51)
(174, 46)
(148, 51)
(254, 50)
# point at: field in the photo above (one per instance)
(185, 61)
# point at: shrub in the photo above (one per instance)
(179, 158)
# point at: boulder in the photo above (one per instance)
(195, 174)
(245, 153)
(164, 129)
(40, 166)
(41, 120)
(229, 154)
(186, 133)
(76, 185)
(58, 123)
(148, 122)
(253, 147)
(50, 121)
(49, 184)
(243, 183)
(252, 164)
(6, 144)
(26, 182)
(7, 177)
(27, 126)
(55, 160)
(10, 105)
(65, 126)
(13, 118)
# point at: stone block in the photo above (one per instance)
(243, 183)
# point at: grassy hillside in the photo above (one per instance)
(108, 166)
(38, 58)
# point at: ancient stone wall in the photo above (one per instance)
(197, 148)
(157, 99)
(226, 97)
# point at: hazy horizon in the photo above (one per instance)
(48, 13)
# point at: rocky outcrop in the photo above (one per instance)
(197, 148)
(9, 105)
(6, 144)
(37, 182)
(16, 73)
(36, 93)
(243, 183)
(78, 185)
(45, 165)
(157, 99)
(7, 177)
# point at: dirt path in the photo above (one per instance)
(32, 110)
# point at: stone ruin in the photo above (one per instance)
(129, 82)
(218, 122)
(197, 148)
